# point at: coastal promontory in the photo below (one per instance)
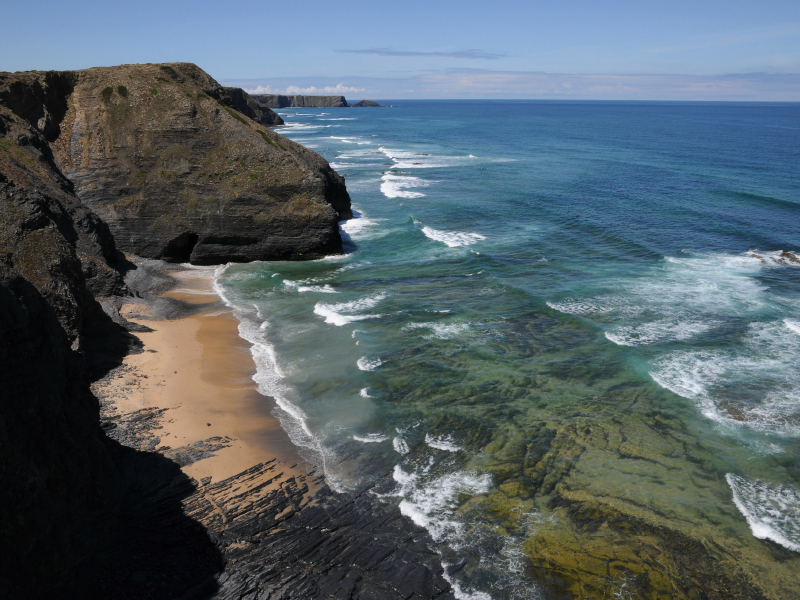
(161, 154)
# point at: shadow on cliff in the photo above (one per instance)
(83, 517)
(156, 551)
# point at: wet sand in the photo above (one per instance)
(200, 370)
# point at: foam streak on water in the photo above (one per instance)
(269, 375)
(454, 239)
(347, 312)
(772, 511)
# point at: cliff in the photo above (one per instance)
(278, 101)
(162, 156)
(59, 483)
(70, 141)
(250, 107)
(82, 515)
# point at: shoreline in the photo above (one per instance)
(245, 512)
(197, 373)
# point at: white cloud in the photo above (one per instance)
(262, 89)
(293, 90)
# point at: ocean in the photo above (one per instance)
(565, 339)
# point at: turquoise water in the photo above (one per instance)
(565, 338)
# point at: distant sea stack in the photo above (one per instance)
(279, 101)
(366, 103)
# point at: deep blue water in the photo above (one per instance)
(517, 268)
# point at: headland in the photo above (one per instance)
(138, 459)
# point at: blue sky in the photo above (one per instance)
(713, 50)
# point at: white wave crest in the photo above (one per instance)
(792, 325)
(349, 139)
(371, 438)
(404, 159)
(346, 312)
(298, 285)
(360, 227)
(442, 442)
(396, 186)
(400, 445)
(772, 511)
(453, 239)
(320, 289)
(365, 393)
(365, 364)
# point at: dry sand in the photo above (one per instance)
(199, 369)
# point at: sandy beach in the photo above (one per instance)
(197, 372)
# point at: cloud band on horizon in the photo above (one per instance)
(481, 84)
(467, 54)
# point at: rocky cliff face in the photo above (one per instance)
(250, 107)
(162, 156)
(279, 101)
(59, 486)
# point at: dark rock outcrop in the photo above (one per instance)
(162, 156)
(365, 103)
(59, 485)
(280, 101)
(280, 545)
(250, 107)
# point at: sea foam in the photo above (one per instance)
(366, 364)
(371, 438)
(442, 331)
(688, 298)
(453, 239)
(432, 503)
(442, 442)
(397, 186)
(771, 511)
(346, 312)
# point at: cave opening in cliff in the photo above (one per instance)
(179, 249)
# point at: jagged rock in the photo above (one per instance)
(365, 103)
(278, 544)
(250, 107)
(59, 484)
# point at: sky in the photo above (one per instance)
(571, 49)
